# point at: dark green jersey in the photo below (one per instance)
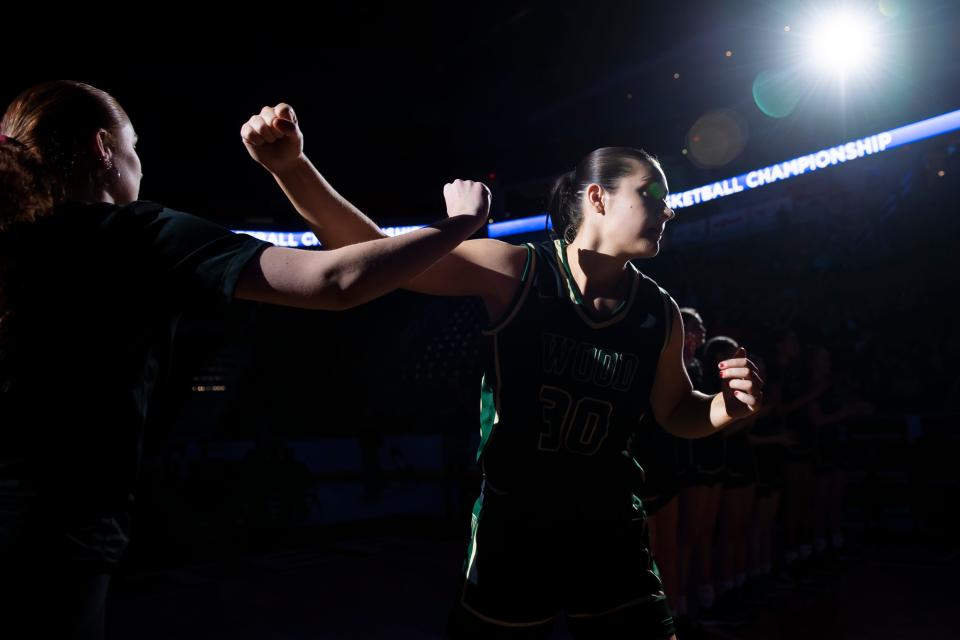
(564, 391)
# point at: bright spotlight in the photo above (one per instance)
(843, 42)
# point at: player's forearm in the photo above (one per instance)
(333, 218)
(698, 415)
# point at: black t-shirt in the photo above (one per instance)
(96, 291)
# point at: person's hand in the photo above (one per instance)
(467, 198)
(742, 386)
(273, 138)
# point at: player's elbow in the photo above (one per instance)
(343, 286)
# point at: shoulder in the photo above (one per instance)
(650, 287)
(657, 298)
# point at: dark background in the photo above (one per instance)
(286, 430)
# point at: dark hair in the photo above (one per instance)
(720, 348)
(24, 196)
(690, 312)
(605, 166)
(56, 122)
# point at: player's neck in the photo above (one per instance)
(597, 274)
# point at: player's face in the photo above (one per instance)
(636, 212)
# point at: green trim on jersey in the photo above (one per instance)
(572, 287)
(468, 563)
(488, 414)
